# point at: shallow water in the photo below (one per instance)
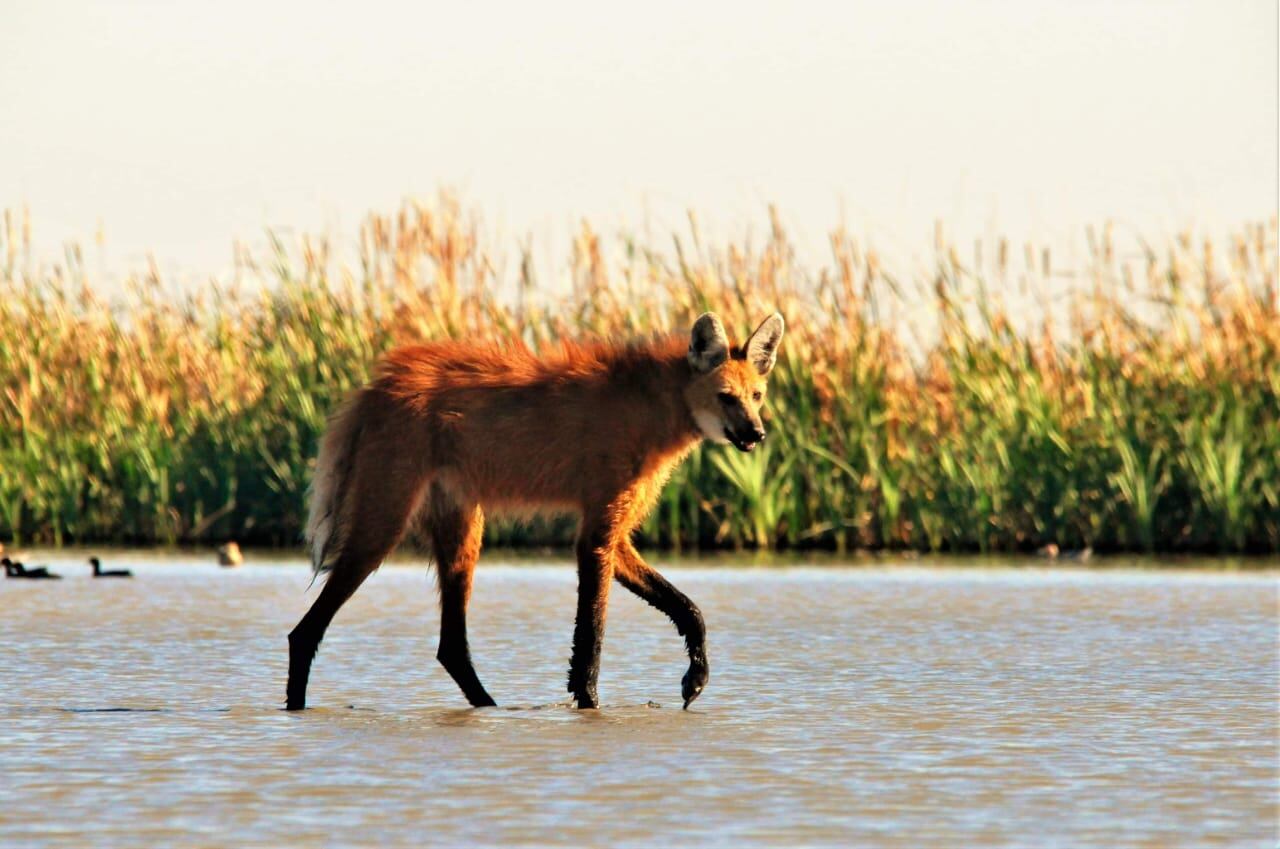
(886, 706)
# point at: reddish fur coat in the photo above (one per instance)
(590, 428)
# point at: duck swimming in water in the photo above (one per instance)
(99, 572)
(14, 569)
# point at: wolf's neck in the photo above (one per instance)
(676, 431)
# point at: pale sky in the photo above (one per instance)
(182, 126)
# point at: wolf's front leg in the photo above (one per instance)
(595, 571)
(643, 580)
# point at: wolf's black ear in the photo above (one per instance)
(762, 347)
(708, 344)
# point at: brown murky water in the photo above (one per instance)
(870, 707)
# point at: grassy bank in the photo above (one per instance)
(953, 406)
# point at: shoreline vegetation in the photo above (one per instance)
(984, 405)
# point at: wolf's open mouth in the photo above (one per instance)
(741, 445)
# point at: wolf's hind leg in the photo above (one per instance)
(304, 640)
(456, 531)
(386, 491)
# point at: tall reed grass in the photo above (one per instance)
(954, 407)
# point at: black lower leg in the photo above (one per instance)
(584, 665)
(302, 650)
(456, 534)
(455, 656)
(304, 640)
(646, 583)
(588, 630)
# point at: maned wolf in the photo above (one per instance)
(447, 430)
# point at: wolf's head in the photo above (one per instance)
(729, 383)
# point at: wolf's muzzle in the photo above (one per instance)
(746, 439)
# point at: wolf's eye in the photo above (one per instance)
(757, 395)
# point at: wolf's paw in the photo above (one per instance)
(694, 680)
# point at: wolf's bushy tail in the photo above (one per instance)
(327, 525)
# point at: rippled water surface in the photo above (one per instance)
(900, 706)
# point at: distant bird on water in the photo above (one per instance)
(230, 555)
(14, 569)
(99, 572)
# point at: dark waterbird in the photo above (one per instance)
(99, 572)
(14, 569)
